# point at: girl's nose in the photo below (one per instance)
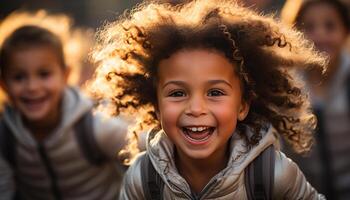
(196, 106)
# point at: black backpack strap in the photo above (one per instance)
(8, 150)
(152, 183)
(260, 175)
(7, 144)
(325, 155)
(348, 91)
(84, 131)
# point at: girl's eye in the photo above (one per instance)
(215, 93)
(177, 94)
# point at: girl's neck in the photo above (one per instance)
(198, 172)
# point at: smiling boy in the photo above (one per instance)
(50, 141)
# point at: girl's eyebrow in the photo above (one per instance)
(211, 82)
(180, 83)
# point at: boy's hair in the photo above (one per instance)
(27, 37)
(339, 6)
(265, 52)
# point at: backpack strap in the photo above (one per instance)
(259, 175)
(348, 91)
(7, 144)
(152, 183)
(84, 132)
(8, 150)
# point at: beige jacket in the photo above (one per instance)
(290, 182)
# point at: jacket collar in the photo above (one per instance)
(161, 152)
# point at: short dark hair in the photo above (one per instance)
(30, 36)
(339, 6)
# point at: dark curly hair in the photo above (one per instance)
(266, 52)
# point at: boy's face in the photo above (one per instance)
(199, 101)
(34, 81)
(323, 25)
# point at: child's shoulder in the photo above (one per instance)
(132, 183)
(110, 133)
(290, 182)
(285, 169)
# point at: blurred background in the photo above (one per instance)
(89, 13)
(93, 13)
(332, 147)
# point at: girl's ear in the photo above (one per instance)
(243, 110)
(158, 115)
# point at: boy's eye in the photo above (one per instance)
(177, 94)
(215, 92)
(19, 77)
(44, 73)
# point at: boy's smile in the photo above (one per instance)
(199, 101)
(35, 82)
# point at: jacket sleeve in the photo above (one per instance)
(290, 182)
(131, 188)
(7, 183)
(110, 134)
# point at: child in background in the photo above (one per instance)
(326, 23)
(50, 141)
(76, 41)
(220, 80)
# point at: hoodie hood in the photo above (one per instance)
(74, 105)
(161, 152)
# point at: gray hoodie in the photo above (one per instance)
(76, 177)
(290, 182)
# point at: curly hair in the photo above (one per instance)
(266, 52)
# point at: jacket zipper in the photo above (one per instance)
(206, 189)
(183, 191)
(190, 196)
(48, 166)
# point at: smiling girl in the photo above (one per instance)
(220, 81)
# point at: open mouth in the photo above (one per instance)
(198, 134)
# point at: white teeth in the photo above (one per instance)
(199, 129)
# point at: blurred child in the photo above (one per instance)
(76, 41)
(326, 23)
(220, 81)
(54, 146)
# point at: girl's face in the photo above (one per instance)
(34, 82)
(324, 26)
(199, 101)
